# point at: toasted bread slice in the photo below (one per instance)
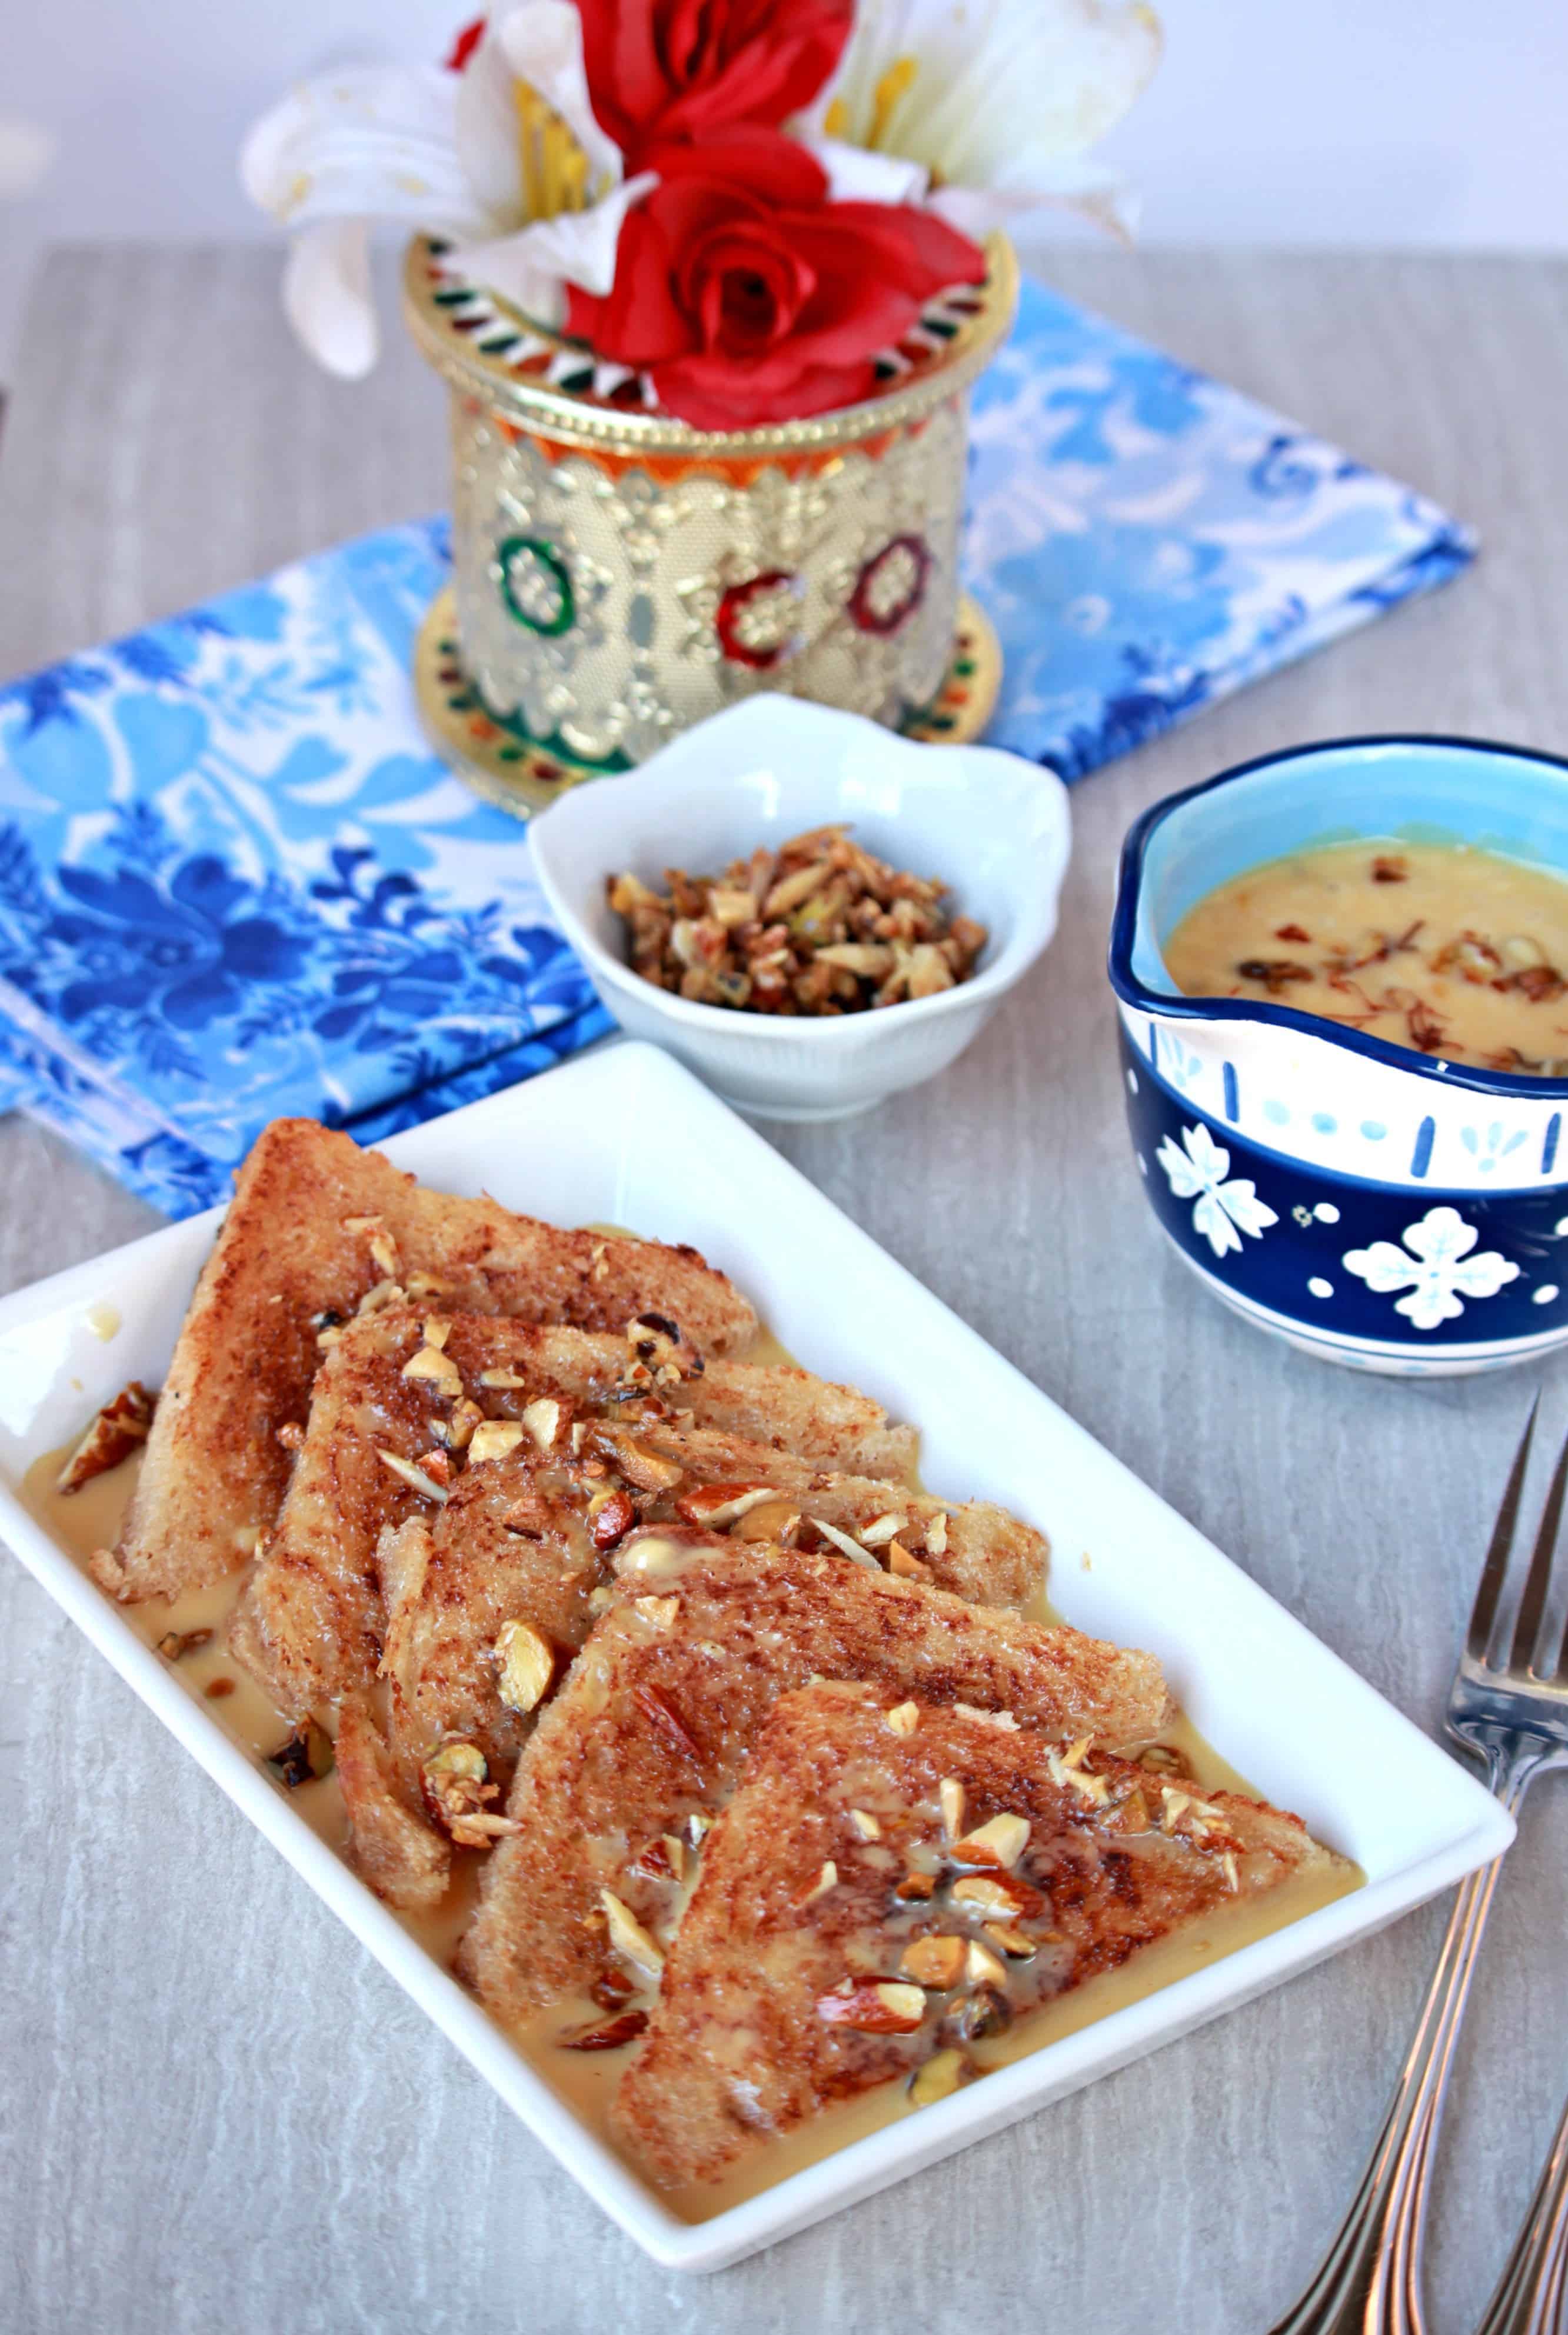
(799, 1977)
(314, 1225)
(657, 1714)
(310, 1621)
(513, 1550)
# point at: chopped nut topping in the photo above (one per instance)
(950, 1797)
(1011, 1942)
(494, 1439)
(1067, 1769)
(826, 1880)
(916, 1886)
(175, 1644)
(629, 1939)
(659, 1612)
(112, 1437)
(864, 1824)
(715, 1507)
(430, 1363)
(941, 2076)
(1228, 1864)
(998, 1842)
(542, 1419)
(291, 1436)
(460, 1427)
(820, 928)
(995, 1896)
(844, 1545)
(305, 1759)
(611, 1520)
(771, 1520)
(218, 1689)
(456, 1791)
(882, 1529)
(527, 1665)
(876, 2007)
(936, 1535)
(982, 1968)
(606, 2034)
(499, 1378)
(1003, 1719)
(414, 1476)
(438, 1330)
(908, 1568)
(933, 1961)
(699, 1824)
(674, 1849)
(903, 1718)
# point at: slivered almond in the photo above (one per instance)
(909, 1568)
(629, 1939)
(674, 1849)
(660, 1612)
(1228, 1866)
(936, 1535)
(844, 1545)
(996, 1896)
(430, 1363)
(981, 1967)
(882, 1529)
(940, 2077)
(935, 1961)
(903, 1718)
(716, 1505)
(528, 1663)
(877, 2007)
(460, 1427)
(949, 1799)
(864, 1824)
(438, 1330)
(1002, 1842)
(1066, 1769)
(1003, 1719)
(413, 1476)
(500, 1378)
(493, 1438)
(1011, 1941)
(543, 1421)
(824, 1882)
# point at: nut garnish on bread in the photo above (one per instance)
(317, 1230)
(655, 1719)
(778, 1998)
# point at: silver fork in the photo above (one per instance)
(1513, 1716)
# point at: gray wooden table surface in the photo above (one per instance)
(216, 2112)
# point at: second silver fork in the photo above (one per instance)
(1513, 1716)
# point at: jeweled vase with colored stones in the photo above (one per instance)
(618, 576)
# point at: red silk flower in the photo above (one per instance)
(751, 299)
(661, 70)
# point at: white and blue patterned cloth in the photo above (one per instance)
(235, 883)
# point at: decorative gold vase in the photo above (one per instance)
(619, 576)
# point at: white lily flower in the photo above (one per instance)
(26, 151)
(996, 101)
(505, 158)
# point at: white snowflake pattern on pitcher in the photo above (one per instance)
(1226, 1206)
(1438, 1273)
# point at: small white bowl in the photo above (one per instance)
(991, 826)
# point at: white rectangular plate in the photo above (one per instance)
(626, 1136)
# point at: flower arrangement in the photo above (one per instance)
(743, 202)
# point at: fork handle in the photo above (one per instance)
(1370, 2282)
(1532, 2297)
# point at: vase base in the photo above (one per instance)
(495, 755)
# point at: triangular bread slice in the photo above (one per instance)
(799, 1976)
(316, 1226)
(486, 1602)
(657, 1715)
(310, 1623)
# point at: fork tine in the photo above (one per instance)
(1489, 1587)
(1532, 1604)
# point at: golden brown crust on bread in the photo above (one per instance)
(316, 1223)
(748, 2035)
(310, 1623)
(657, 1714)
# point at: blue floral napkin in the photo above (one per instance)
(235, 883)
(1147, 540)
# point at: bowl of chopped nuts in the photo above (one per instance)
(807, 910)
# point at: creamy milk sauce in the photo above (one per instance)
(1445, 949)
(90, 1519)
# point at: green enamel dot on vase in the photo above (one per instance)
(536, 585)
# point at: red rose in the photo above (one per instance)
(680, 69)
(758, 300)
